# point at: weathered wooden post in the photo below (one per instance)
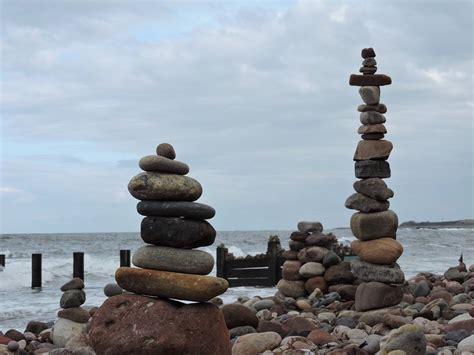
(78, 265)
(273, 247)
(124, 258)
(36, 271)
(221, 253)
(2, 260)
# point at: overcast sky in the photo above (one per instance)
(254, 96)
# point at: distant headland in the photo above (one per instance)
(463, 223)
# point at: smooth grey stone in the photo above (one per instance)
(310, 227)
(422, 289)
(330, 259)
(312, 269)
(191, 210)
(389, 274)
(372, 169)
(371, 118)
(365, 204)
(166, 150)
(369, 62)
(368, 53)
(370, 94)
(373, 343)
(72, 298)
(112, 289)
(74, 284)
(13, 346)
(374, 188)
(327, 299)
(368, 226)
(155, 163)
(263, 304)
(173, 259)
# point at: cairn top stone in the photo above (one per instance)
(310, 227)
(368, 53)
(166, 150)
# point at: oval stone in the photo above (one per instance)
(381, 108)
(156, 163)
(370, 94)
(192, 210)
(293, 289)
(164, 187)
(368, 226)
(177, 232)
(312, 269)
(166, 150)
(373, 150)
(173, 259)
(197, 288)
(378, 251)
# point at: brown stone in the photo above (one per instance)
(198, 288)
(368, 226)
(290, 255)
(166, 150)
(321, 337)
(339, 274)
(316, 282)
(315, 254)
(373, 295)
(76, 314)
(133, 324)
(369, 80)
(366, 204)
(378, 251)
(373, 150)
(371, 118)
(290, 270)
(374, 188)
(467, 325)
(374, 128)
(292, 289)
(381, 108)
(299, 236)
(237, 315)
(163, 165)
(372, 136)
(368, 53)
(321, 240)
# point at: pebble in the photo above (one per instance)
(310, 227)
(380, 108)
(112, 289)
(14, 335)
(187, 261)
(264, 304)
(370, 94)
(408, 338)
(371, 118)
(390, 274)
(368, 226)
(315, 254)
(36, 327)
(191, 210)
(372, 343)
(293, 289)
(339, 274)
(159, 164)
(373, 149)
(314, 283)
(365, 204)
(13, 345)
(374, 188)
(74, 284)
(467, 344)
(330, 259)
(166, 150)
(164, 187)
(321, 337)
(311, 269)
(198, 288)
(239, 331)
(384, 251)
(372, 169)
(72, 298)
(177, 232)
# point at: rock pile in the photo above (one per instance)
(168, 267)
(374, 226)
(312, 267)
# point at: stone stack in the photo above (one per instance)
(312, 266)
(169, 266)
(374, 226)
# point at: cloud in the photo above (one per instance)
(254, 98)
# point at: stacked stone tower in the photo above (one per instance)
(174, 224)
(374, 226)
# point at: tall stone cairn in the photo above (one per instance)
(374, 226)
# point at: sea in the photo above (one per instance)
(432, 250)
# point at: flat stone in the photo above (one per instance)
(237, 315)
(374, 188)
(373, 128)
(408, 338)
(133, 324)
(371, 118)
(380, 108)
(375, 150)
(321, 337)
(166, 150)
(187, 261)
(374, 295)
(167, 284)
(369, 62)
(158, 164)
(389, 274)
(369, 80)
(312, 254)
(372, 136)
(312, 269)
(378, 251)
(73, 284)
(368, 226)
(321, 240)
(290, 270)
(76, 314)
(370, 94)
(372, 169)
(72, 298)
(177, 232)
(368, 53)
(164, 187)
(293, 289)
(366, 204)
(191, 210)
(310, 227)
(368, 70)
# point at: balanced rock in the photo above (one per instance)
(369, 80)
(369, 61)
(311, 269)
(372, 118)
(65, 329)
(293, 289)
(378, 251)
(321, 240)
(339, 274)
(373, 128)
(166, 150)
(368, 226)
(76, 314)
(368, 53)
(159, 327)
(177, 232)
(155, 163)
(372, 169)
(73, 284)
(72, 298)
(372, 136)
(184, 209)
(374, 150)
(370, 94)
(315, 254)
(374, 188)
(166, 284)
(310, 227)
(366, 204)
(173, 259)
(290, 270)
(381, 108)
(389, 274)
(368, 70)
(164, 187)
(373, 295)
(316, 282)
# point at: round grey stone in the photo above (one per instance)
(166, 150)
(13, 346)
(112, 289)
(312, 269)
(371, 117)
(72, 298)
(310, 227)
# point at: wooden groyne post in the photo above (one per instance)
(124, 258)
(2, 260)
(78, 265)
(36, 265)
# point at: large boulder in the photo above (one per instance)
(133, 324)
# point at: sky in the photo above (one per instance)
(253, 95)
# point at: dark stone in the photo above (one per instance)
(372, 169)
(372, 136)
(368, 53)
(242, 330)
(327, 299)
(312, 227)
(76, 314)
(237, 315)
(347, 292)
(72, 298)
(453, 274)
(321, 240)
(155, 163)
(112, 289)
(422, 289)
(366, 204)
(177, 232)
(290, 255)
(36, 327)
(299, 326)
(380, 108)
(290, 270)
(369, 62)
(373, 295)
(368, 70)
(74, 284)
(166, 150)
(296, 246)
(159, 326)
(191, 210)
(372, 128)
(14, 335)
(346, 321)
(331, 259)
(339, 274)
(369, 80)
(273, 326)
(371, 118)
(299, 236)
(456, 335)
(374, 188)
(390, 274)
